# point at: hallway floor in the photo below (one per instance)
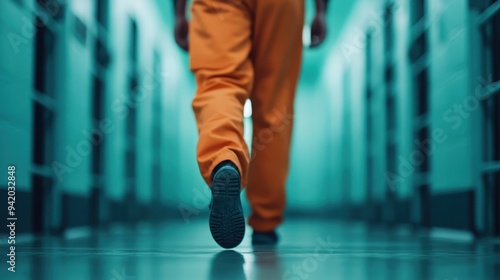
(309, 249)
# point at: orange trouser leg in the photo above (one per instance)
(277, 49)
(220, 46)
(241, 49)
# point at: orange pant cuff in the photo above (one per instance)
(223, 156)
(264, 224)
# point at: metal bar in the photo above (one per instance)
(47, 18)
(391, 138)
(421, 64)
(491, 167)
(418, 29)
(421, 178)
(489, 13)
(421, 121)
(42, 170)
(489, 90)
(46, 101)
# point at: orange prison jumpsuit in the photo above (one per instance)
(242, 49)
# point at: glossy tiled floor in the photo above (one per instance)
(309, 250)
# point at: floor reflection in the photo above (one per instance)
(227, 265)
(267, 263)
(308, 250)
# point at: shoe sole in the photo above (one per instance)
(227, 222)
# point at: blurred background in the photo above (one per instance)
(397, 115)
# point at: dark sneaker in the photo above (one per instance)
(267, 238)
(227, 223)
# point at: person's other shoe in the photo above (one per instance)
(266, 238)
(227, 222)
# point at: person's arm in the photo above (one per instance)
(318, 27)
(321, 6)
(181, 31)
(180, 8)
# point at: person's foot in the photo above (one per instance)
(265, 238)
(227, 223)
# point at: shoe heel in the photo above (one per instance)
(227, 222)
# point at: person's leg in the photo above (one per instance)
(277, 52)
(220, 45)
